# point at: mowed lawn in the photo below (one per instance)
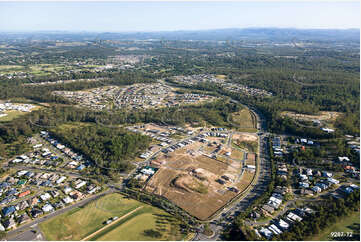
(346, 224)
(148, 218)
(80, 222)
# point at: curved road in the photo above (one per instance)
(217, 224)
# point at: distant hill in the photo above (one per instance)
(268, 34)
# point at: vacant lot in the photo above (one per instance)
(221, 76)
(245, 120)
(237, 154)
(80, 222)
(190, 179)
(251, 146)
(12, 114)
(10, 68)
(251, 159)
(322, 116)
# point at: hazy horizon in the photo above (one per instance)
(175, 16)
(155, 31)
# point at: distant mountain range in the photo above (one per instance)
(270, 34)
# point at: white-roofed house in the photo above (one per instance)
(47, 208)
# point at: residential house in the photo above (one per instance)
(80, 184)
(274, 229)
(309, 172)
(283, 225)
(67, 200)
(67, 190)
(266, 233)
(333, 181)
(343, 158)
(54, 193)
(35, 212)
(47, 208)
(306, 191)
(33, 201)
(326, 174)
(274, 202)
(304, 184)
(354, 187)
(323, 186)
(45, 196)
(23, 194)
(316, 189)
(268, 208)
(21, 173)
(24, 218)
(59, 205)
(294, 217)
(303, 177)
(76, 195)
(60, 180)
(93, 190)
(6, 211)
(22, 205)
(10, 224)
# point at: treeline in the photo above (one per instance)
(188, 221)
(111, 149)
(42, 93)
(215, 113)
(271, 108)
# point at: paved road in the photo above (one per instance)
(30, 235)
(25, 233)
(257, 189)
(21, 233)
(37, 169)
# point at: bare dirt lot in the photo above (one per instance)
(245, 137)
(322, 116)
(194, 181)
(251, 159)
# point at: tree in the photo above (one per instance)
(152, 233)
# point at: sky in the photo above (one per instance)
(168, 16)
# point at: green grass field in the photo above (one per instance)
(79, 223)
(12, 114)
(244, 120)
(346, 224)
(10, 67)
(134, 227)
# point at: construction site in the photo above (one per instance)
(202, 173)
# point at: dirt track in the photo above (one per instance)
(108, 225)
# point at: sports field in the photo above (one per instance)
(135, 228)
(81, 222)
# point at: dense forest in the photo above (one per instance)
(110, 148)
(305, 74)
